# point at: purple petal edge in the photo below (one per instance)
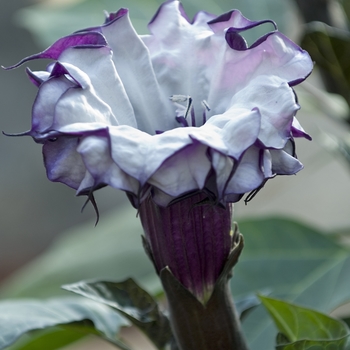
(90, 39)
(33, 78)
(110, 19)
(298, 81)
(226, 17)
(235, 41)
(300, 133)
(181, 9)
(59, 70)
(113, 16)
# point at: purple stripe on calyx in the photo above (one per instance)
(192, 237)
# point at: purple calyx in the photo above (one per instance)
(192, 237)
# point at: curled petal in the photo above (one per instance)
(131, 59)
(275, 102)
(95, 150)
(43, 113)
(235, 20)
(92, 39)
(251, 172)
(298, 131)
(62, 161)
(284, 162)
(37, 78)
(224, 168)
(97, 75)
(184, 172)
(240, 129)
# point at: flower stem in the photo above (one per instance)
(209, 326)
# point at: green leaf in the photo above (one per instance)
(18, 317)
(297, 322)
(51, 338)
(286, 257)
(346, 7)
(132, 302)
(290, 260)
(304, 328)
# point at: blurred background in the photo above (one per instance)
(35, 213)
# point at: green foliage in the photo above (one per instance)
(288, 258)
(291, 260)
(281, 257)
(303, 328)
(346, 6)
(76, 317)
(57, 337)
(133, 303)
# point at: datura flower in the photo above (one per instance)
(185, 120)
(188, 108)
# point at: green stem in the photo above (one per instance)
(214, 325)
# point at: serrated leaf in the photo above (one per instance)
(131, 301)
(18, 317)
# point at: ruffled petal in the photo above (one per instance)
(179, 51)
(132, 61)
(240, 129)
(95, 150)
(284, 162)
(187, 56)
(298, 131)
(250, 172)
(184, 172)
(96, 73)
(43, 113)
(37, 78)
(276, 103)
(105, 116)
(62, 161)
(223, 168)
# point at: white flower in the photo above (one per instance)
(188, 108)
